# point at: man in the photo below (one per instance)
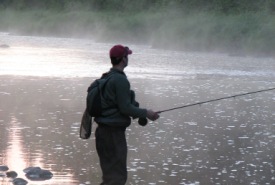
(118, 106)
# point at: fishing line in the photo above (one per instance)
(218, 99)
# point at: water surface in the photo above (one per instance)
(42, 94)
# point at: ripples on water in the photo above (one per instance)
(42, 93)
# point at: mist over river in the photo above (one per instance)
(43, 83)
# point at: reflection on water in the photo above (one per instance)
(41, 62)
(18, 157)
(15, 152)
(42, 93)
(59, 57)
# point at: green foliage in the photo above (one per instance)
(248, 33)
(215, 25)
(222, 6)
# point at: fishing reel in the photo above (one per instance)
(142, 121)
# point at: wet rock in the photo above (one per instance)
(4, 46)
(31, 169)
(40, 175)
(4, 168)
(19, 181)
(37, 174)
(11, 174)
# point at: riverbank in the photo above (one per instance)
(249, 33)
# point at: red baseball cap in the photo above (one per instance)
(120, 51)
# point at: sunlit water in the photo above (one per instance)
(42, 93)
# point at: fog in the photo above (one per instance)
(245, 34)
(48, 58)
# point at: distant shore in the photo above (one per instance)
(241, 34)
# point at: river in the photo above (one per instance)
(42, 94)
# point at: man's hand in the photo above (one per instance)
(151, 115)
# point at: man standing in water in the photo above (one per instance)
(118, 106)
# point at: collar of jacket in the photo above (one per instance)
(113, 70)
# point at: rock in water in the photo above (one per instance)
(19, 181)
(37, 174)
(4, 168)
(31, 169)
(4, 46)
(11, 174)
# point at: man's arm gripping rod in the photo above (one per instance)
(199, 103)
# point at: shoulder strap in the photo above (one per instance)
(107, 76)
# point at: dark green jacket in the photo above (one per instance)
(116, 102)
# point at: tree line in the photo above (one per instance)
(220, 6)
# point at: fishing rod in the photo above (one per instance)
(223, 98)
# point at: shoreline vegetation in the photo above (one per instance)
(238, 27)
